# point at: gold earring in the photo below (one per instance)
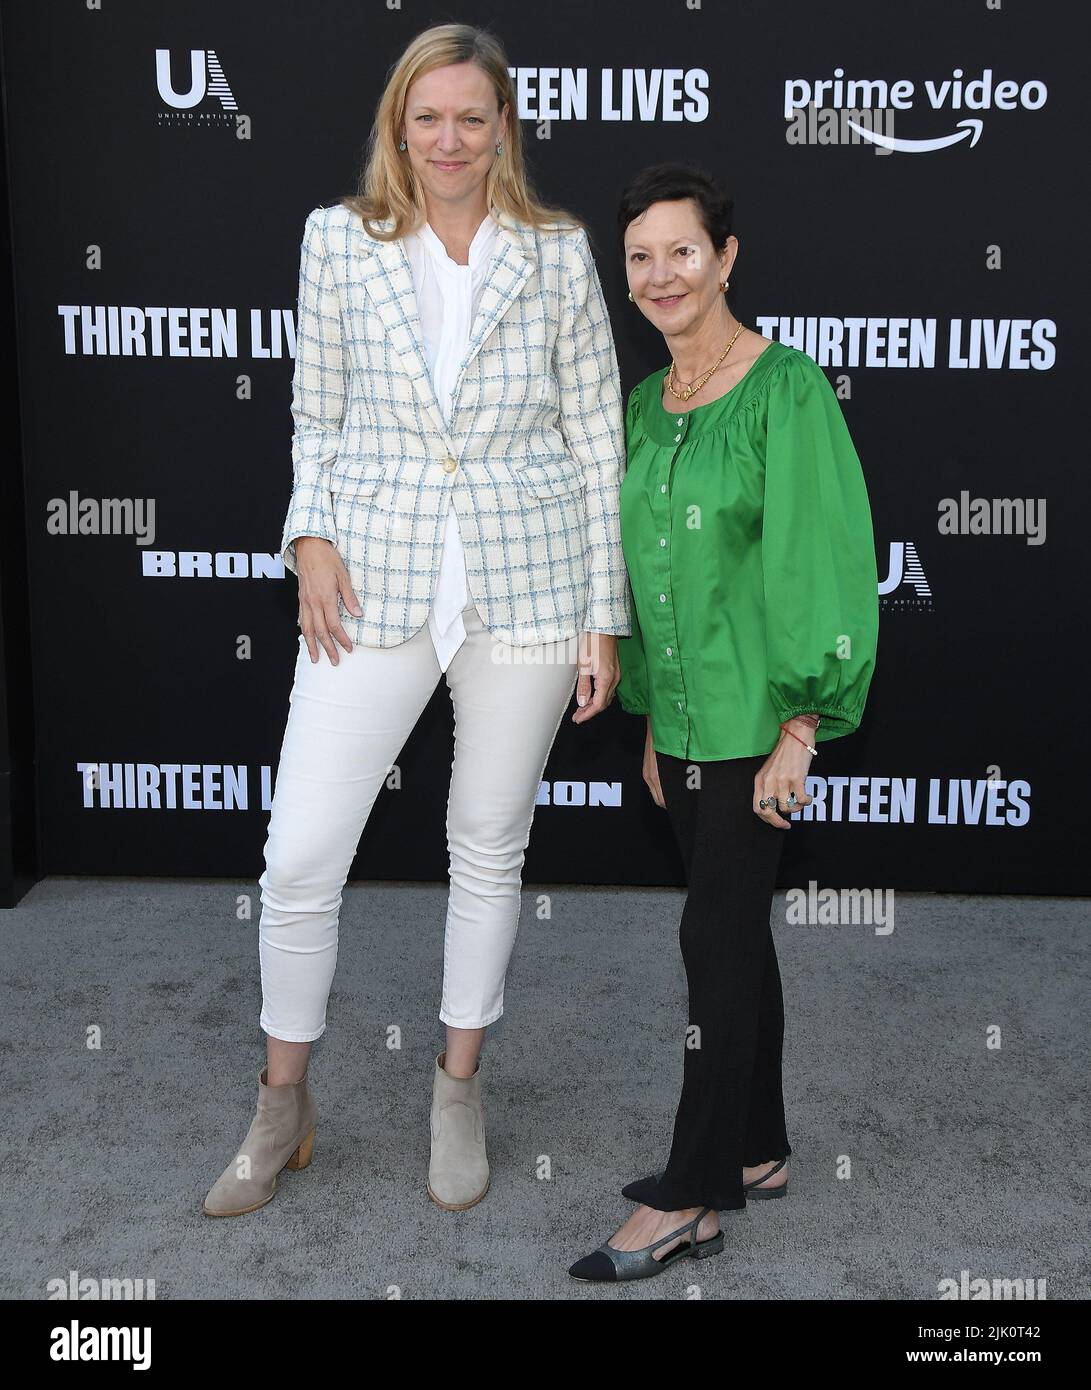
(631, 296)
(725, 285)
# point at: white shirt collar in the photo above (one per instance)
(479, 246)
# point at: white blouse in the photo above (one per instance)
(447, 298)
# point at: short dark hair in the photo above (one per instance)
(671, 182)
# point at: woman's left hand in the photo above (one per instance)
(598, 659)
(784, 770)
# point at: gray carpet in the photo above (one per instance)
(958, 1156)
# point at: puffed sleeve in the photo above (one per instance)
(818, 556)
(319, 393)
(632, 688)
(589, 391)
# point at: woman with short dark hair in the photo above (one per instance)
(748, 539)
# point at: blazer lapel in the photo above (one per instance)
(514, 258)
(388, 280)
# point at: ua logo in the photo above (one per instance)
(905, 568)
(206, 78)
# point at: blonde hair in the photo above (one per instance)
(388, 187)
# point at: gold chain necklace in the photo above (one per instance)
(692, 390)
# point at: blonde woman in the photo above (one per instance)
(457, 455)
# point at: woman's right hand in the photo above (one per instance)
(651, 768)
(322, 578)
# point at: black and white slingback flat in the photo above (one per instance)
(607, 1265)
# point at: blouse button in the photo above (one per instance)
(662, 598)
(680, 420)
(679, 704)
(677, 437)
(662, 540)
(670, 651)
(662, 487)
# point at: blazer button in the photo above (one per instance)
(449, 464)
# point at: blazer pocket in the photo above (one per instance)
(357, 479)
(555, 477)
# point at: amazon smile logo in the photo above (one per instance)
(820, 110)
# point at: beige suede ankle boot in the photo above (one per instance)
(458, 1170)
(281, 1135)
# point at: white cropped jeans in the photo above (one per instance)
(346, 726)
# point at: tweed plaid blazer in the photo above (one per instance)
(531, 457)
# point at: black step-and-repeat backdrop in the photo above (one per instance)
(910, 209)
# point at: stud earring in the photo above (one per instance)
(725, 284)
(499, 147)
(402, 145)
(631, 296)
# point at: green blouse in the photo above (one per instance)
(747, 534)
